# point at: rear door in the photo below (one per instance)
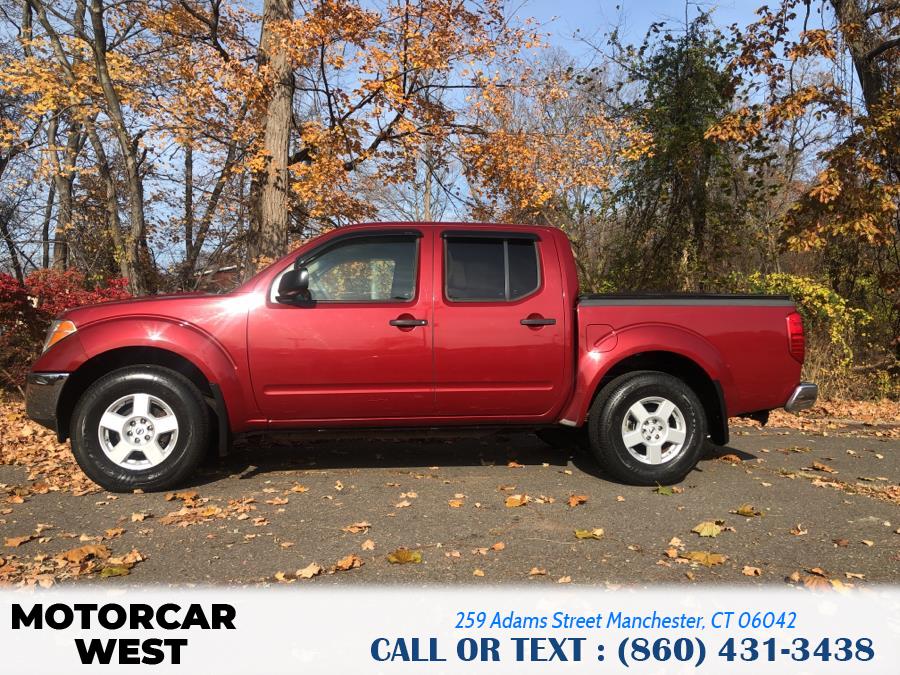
(361, 350)
(500, 344)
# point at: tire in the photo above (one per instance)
(624, 416)
(131, 400)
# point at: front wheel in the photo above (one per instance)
(143, 427)
(647, 428)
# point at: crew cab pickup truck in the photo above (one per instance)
(415, 326)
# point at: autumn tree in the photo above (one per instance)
(267, 235)
(850, 214)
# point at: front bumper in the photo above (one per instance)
(804, 397)
(42, 396)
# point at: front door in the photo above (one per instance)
(362, 348)
(500, 325)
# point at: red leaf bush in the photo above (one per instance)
(26, 311)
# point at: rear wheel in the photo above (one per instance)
(143, 427)
(647, 428)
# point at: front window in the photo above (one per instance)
(365, 269)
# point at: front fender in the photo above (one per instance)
(596, 360)
(184, 339)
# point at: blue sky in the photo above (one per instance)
(593, 18)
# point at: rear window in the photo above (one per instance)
(491, 269)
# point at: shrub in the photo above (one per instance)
(27, 310)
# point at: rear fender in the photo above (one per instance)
(595, 362)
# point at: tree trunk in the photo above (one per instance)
(188, 200)
(139, 279)
(267, 236)
(868, 48)
(7, 213)
(45, 224)
(63, 180)
(110, 202)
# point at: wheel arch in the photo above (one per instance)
(122, 357)
(708, 390)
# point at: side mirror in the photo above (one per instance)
(294, 287)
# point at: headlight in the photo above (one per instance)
(59, 329)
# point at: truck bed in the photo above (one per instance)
(739, 340)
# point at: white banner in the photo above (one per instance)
(305, 629)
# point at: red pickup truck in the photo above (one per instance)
(408, 325)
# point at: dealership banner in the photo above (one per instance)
(434, 630)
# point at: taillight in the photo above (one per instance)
(796, 339)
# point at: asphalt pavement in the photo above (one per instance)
(502, 509)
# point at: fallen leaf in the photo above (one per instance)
(564, 580)
(731, 458)
(299, 488)
(138, 517)
(188, 496)
(478, 573)
(842, 543)
(115, 571)
(403, 556)
(282, 577)
(514, 501)
(867, 542)
(747, 510)
(709, 528)
(349, 562)
(114, 532)
(338, 485)
(310, 571)
(499, 546)
(15, 542)
(854, 575)
(277, 501)
(368, 545)
(403, 504)
(577, 500)
(819, 466)
(816, 582)
(513, 464)
(668, 490)
(705, 557)
(356, 528)
(455, 503)
(799, 531)
(596, 533)
(78, 555)
(751, 571)
(537, 572)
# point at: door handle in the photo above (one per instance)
(408, 323)
(537, 322)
